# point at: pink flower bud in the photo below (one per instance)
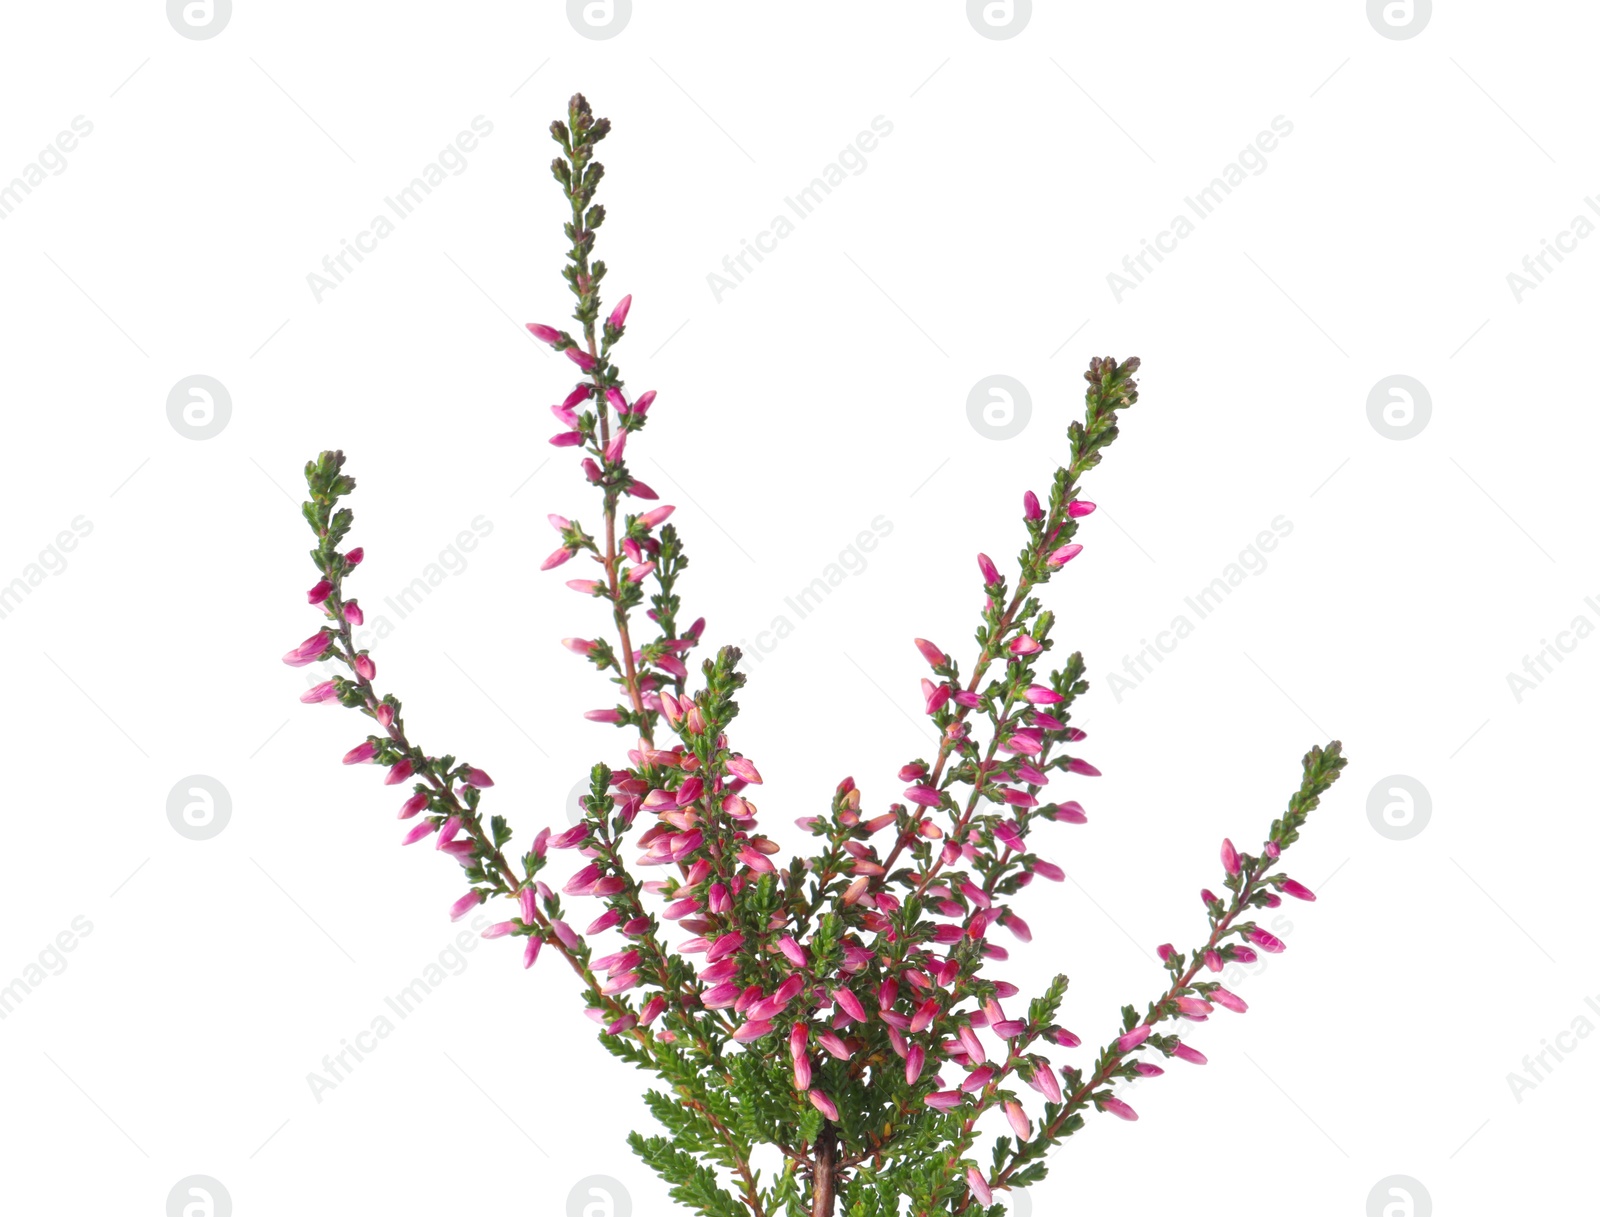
(354, 557)
(557, 558)
(466, 904)
(364, 667)
(944, 1100)
(361, 753)
(1194, 1007)
(326, 691)
(477, 777)
(1030, 507)
(582, 358)
(1185, 1053)
(1119, 1109)
(309, 651)
(823, 1104)
(656, 516)
(924, 796)
(1230, 857)
(1019, 1120)
(979, 1185)
(931, 653)
(399, 772)
(792, 951)
(418, 831)
(1132, 1039)
(744, 770)
(1165, 952)
(1269, 943)
(353, 613)
(1298, 890)
(499, 930)
(412, 806)
(850, 1004)
(530, 953)
(1079, 508)
(1064, 555)
(544, 333)
(619, 315)
(320, 592)
(1083, 768)
(991, 573)
(749, 1032)
(1228, 1001)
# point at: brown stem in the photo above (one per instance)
(825, 1174)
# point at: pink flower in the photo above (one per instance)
(749, 1032)
(1019, 1120)
(530, 953)
(1269, 943)
(557, 558)
(991, 573)
(1083, 768)
(466, 904)
(544, 333)
(309, 651)
(353, 613)
(1119, 1109)
(424, 828)
(1132, 1039)
(499, 930)
(582, 358)
(979, 1185)
(1230, 857)
(412, 806)
(1291, 888)
(744, 770)
(1030, 507)
(823, 1104)
(354, 557)
(1194, 1007)
(792, 951)
(850, 1004)
(931, 653)
(477, 777)
(1079, 508)
(925, 796)
(619, 315)
(656, 516)
(1228, 1001)
(916, 1058)
(603, 716)
(364, 667)
(399, 772)
(320, 592)
(361, 753)
(944, 1100)
(1065, 554)
(326, 691)
(1185, 1053)
(644, 401)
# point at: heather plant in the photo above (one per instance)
(837, 1015)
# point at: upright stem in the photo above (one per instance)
(825, 1176)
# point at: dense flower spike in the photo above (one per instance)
(844, 1007)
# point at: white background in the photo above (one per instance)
(826, 390)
